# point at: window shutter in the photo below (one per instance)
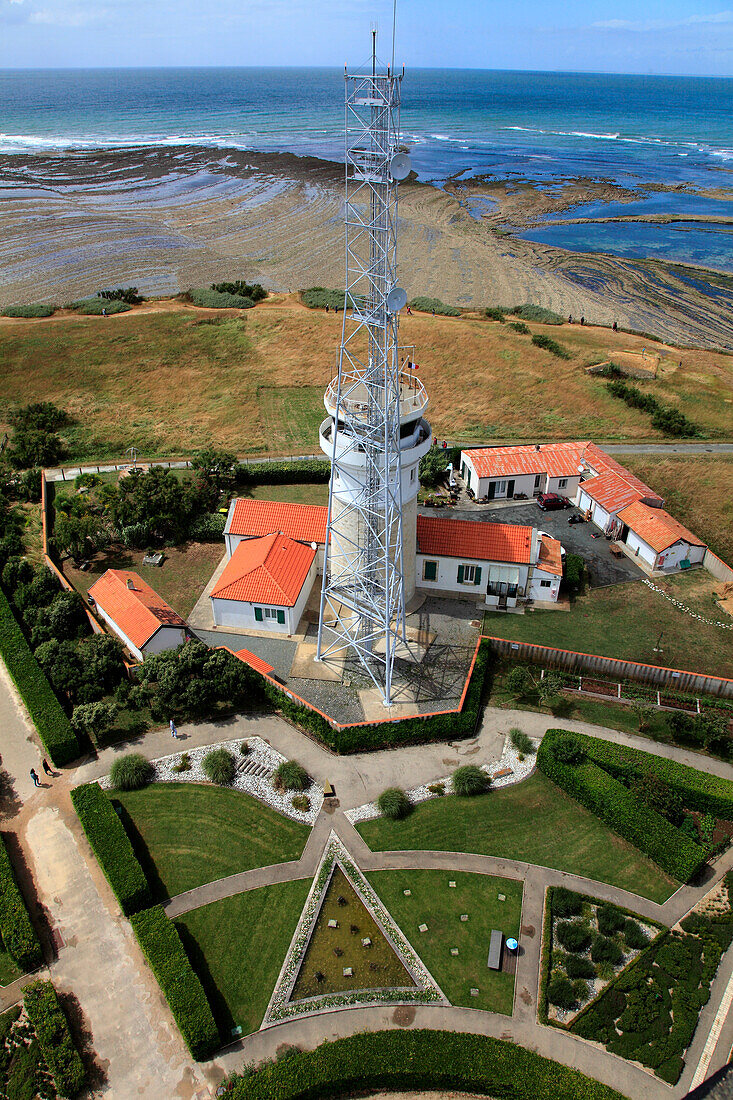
(477, 575)
(258, 614)
(281, 617)
(431, 570)
(460, 574)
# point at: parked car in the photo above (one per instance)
(550, 502)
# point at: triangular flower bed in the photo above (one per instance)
(386, 969)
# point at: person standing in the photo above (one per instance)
(174, 731)
(47, 767)
(34, 777)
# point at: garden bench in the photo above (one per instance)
(501, 773)
(495, 945)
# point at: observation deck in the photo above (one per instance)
(354, 396)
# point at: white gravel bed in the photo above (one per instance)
(509, 758)
(259, 786)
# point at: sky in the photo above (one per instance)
(623, 36)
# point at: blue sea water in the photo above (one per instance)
(539, 127)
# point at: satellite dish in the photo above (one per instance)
(400, 166)
(396, 299)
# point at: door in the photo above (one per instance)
(503, 591)
(510, 489)
(492, 490)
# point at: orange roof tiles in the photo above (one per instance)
(138, 611)
(553, 459)
(254, 518)
(254, 661)
(611, 491)
(268, 570)
(460, 538)
(656, 527)
(550, 559)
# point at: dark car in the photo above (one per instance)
(550, 502)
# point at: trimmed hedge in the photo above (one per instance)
(419, 1060)
(284, 473)
(35, 309)
(54, 1038)
(182, 989)
(607, 798)
(53, 726)
(18, 934)
(111, 844)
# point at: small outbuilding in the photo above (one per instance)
(658, 539)
(141, 619)
(265, 585)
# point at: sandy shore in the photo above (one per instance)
(165, 220)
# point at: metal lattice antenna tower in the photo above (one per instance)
(373, 405)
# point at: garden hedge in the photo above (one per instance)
(168, 960)
(53, 726)
(54, 1038)
(419, 1060)
(18, 934)
(607, 798)
(111, 844)
(299, 472)
(35, 309)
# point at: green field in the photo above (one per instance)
(237, 947)
(187, 834)
(433, 902)
(533, 821)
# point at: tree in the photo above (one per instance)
(158, 500)
(644, 713)
(35, 448)
(549, 687)
(93, 719)
(217, 468)
(519, 681)
(79, 536)
(42, 416)
(432, 467)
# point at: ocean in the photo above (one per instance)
(641, 132)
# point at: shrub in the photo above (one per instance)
(540, 340)
(111, 845)
(634, 935)
(284, 473)
(543, 316)
(40, 416)
(606, 950)
(519, 681)
(16, 930)
(573, 935)
(494, 313)
(610, 919)
(54, 1038)
(318, 297)
(54, 728)
(394, 803)
(566, 903)
(127, 294)
(434, 305)
(131, 772)
(568, 750)
(184, 764)
(520, 327)
(560, 992)
(168, 960)
(208, 527)
(93, 719)
(668, 420)
(579, 967)
(36, 309)
(290, 776)
(255, 291)
(206, 298)
(521, 741)
(220, 767)
(301, 802)
(470, 780)
(574, 572)
(94, 307)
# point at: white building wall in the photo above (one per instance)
(671, 558)
(296, 613)
(120, 634)
(568, 490)
(536, 590)
(447, 577)
(168, 637)
(240, 614)
(641, 549)
(599, 515)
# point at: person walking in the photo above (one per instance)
(34, 777)
(174, 731)
(47, 767)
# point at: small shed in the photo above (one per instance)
(134, 611)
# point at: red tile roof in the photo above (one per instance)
(612, 492)
(550, 559)
(553, 459)
(138, 611)
(268, 570)
(302, 522)
(254, 661)
(460, 538)
(656, 527)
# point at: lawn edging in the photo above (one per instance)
(16, 929)
(111, 845)
(419, 1060)
(49, 1022)
(167, 958)
(53, 726)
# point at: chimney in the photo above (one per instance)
(537, 446)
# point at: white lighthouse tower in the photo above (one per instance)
(375, 433)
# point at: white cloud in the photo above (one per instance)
(663, 24)
(67, 16)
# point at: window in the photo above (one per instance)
(412, 474)
(430, 571)
(537, 480)
(273, 614)
(544, 584)
(562, 483)
(469, 574)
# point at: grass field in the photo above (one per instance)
(237, 947)
(698, 491)
(626, 621)
(433, 902)
(175, 382)
(187, 834)
(307, 493)
(533, 821)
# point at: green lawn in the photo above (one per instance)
(187, 834)
(308, 492)
(433, 902)
(626, 620)
(532, 821)
(237, 947)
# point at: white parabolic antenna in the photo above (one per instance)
(396, 299)
(400, 166)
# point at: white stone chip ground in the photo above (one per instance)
(259, 786)
(509, 758)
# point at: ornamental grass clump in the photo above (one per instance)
(131, 772)
(470, 780)
(573, 936)
(291, 776)
(219, 767)
(634, 935)
(521, 742)
(394, 804)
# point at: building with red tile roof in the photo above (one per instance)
(658, 538)
(134, 611)
(265, 583)
(456, 538)
(251, 519)
(550, 556)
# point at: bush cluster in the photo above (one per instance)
(131, 772)
(665, 418)
(540, 340)
(95, 307)
(402, 1061)
(434, 305)
(318, 297)
(35, 309)
(616, 805)
(520, 327)
(255, 291)
(494, 313)
(206, 298)
(208, 528)
(128, 294)
(111, 845)
(54, 1038)
(182, 989)
(539, 314)
(291, 776)
(220, 767)
(574, 572)
(16, 930)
